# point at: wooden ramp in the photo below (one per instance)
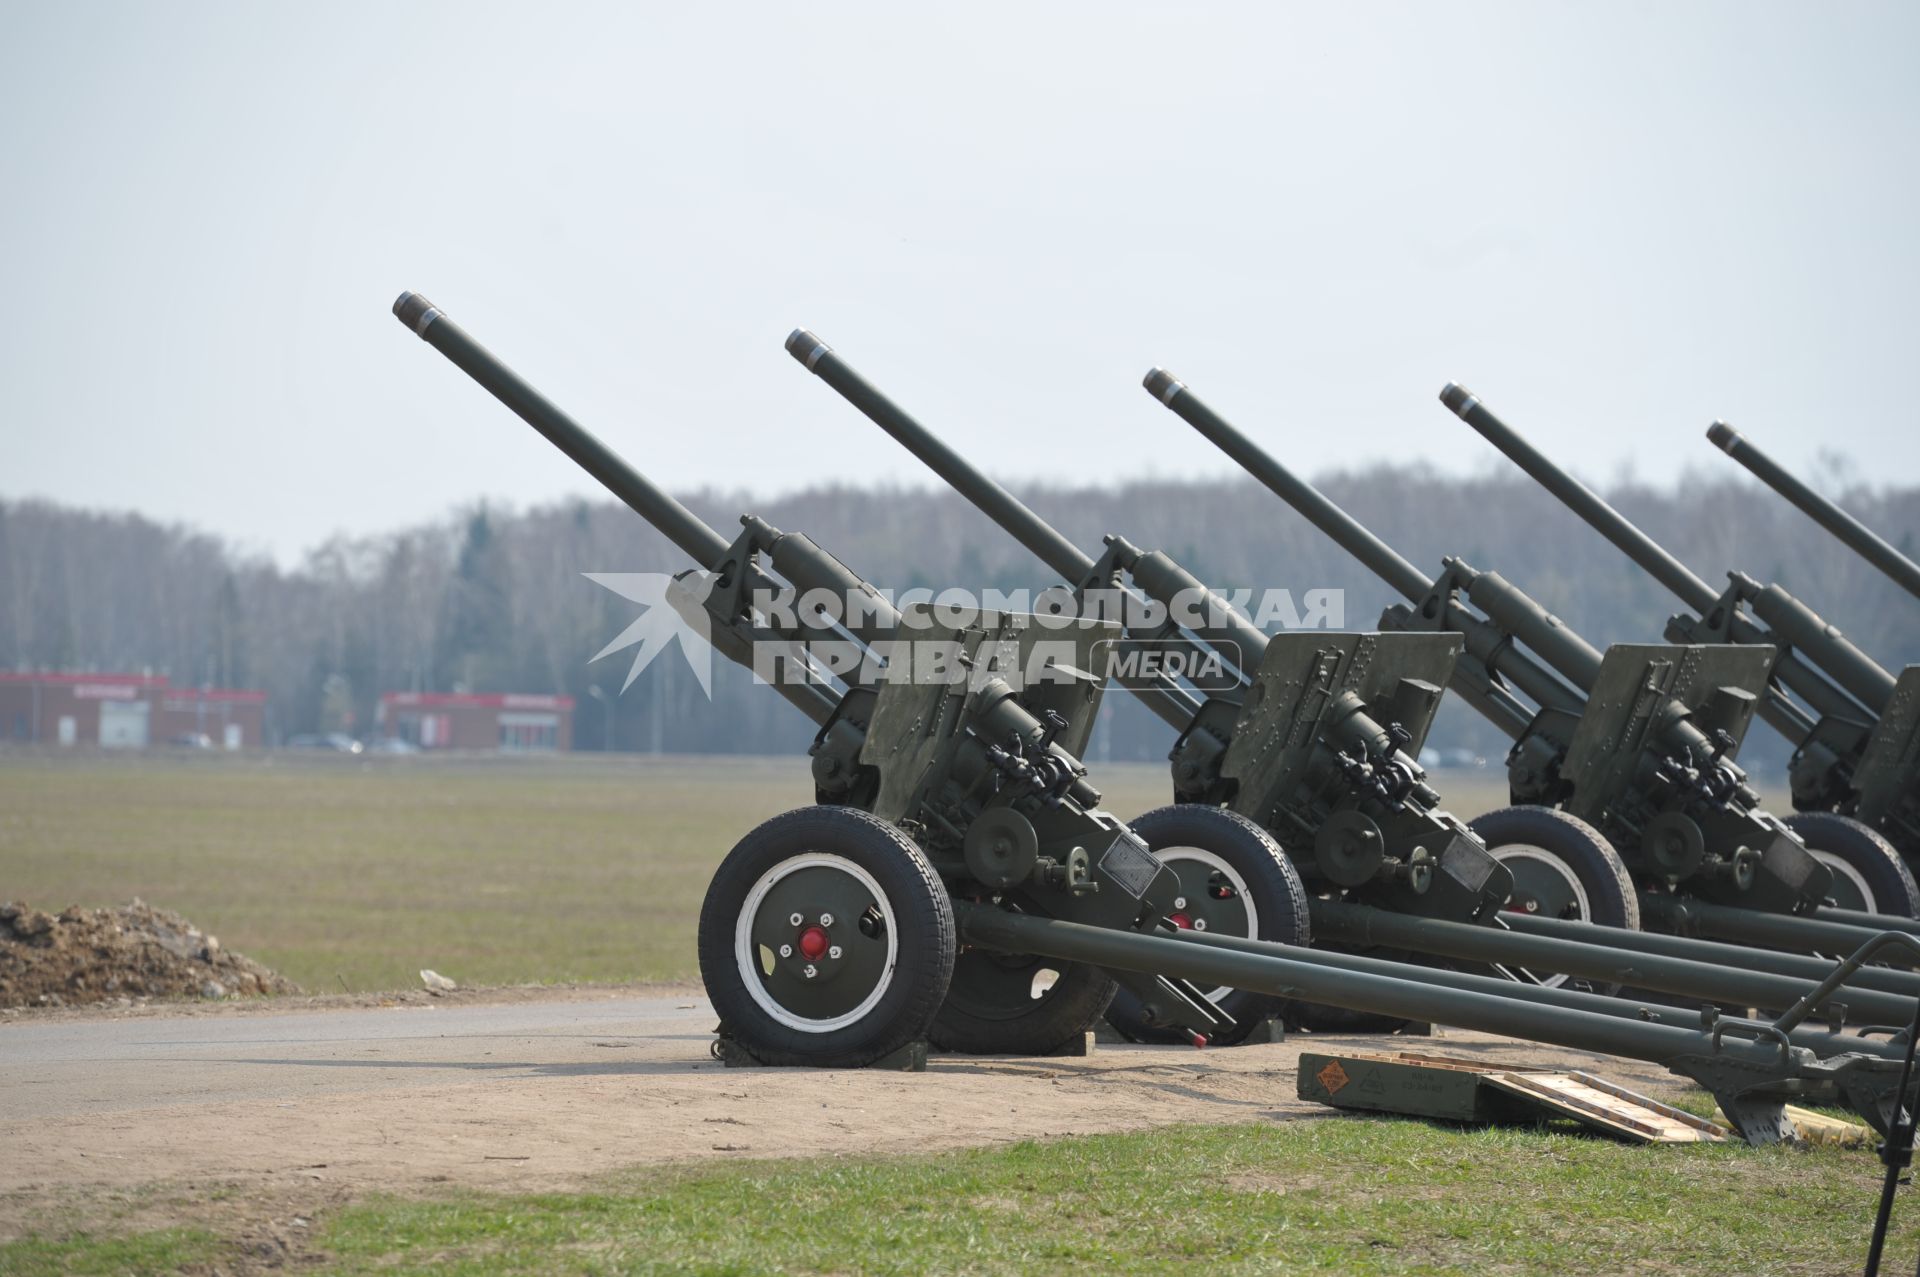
(1438, 1086)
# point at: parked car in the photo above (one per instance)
(191, 740)
(392, 745)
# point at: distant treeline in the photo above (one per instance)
(494, 600)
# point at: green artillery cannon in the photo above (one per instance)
(827, 936)
(1638, 742)
(1854, 534)
(953, 818)
(1261, 746)
(1856, 764)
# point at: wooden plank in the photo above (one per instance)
(1612, 1109)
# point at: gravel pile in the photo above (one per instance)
(130, 954)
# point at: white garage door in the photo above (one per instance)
(123, 724)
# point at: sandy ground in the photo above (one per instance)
(148, 1118)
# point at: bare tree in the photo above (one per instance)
(494, 600)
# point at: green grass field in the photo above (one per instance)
(492, 871)
(331, 870)
(1337, 1196)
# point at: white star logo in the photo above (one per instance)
(660, 624)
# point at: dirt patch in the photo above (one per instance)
(252, 1121)
(1275, 1183)
(84, 956)
(266, 1228)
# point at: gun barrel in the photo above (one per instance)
(679, 524)
(1582, 500)
(1484, 641)
(1167, 699)
(996, 502)
(1343, 528)
(1518, 613)
(1852, 679)
(1800, 627)
(1861, 539)
(1154, 573)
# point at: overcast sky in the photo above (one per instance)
(1613, 222)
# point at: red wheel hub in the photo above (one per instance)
(813, 942)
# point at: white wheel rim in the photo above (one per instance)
(1521, 851)
(1213, 861)
(747, 956)
(1846, 869)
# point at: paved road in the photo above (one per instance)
(70, 1067)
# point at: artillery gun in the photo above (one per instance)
(1269, 747)
(827, 936)
(954, 818)
(1854, 534)
(1638, 742)
(1855, 771)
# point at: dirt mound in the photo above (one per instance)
(110, 955)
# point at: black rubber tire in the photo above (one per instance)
(1584, 851)
(1279, 899)
(1867, 852)
(1574, 843)
(923, 921)
(1039, 1026)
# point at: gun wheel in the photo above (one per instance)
(1017, 1004)
(826, 940)
(1235, 881)
(1562, 868)
(1868, 874)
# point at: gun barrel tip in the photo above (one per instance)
(804, 346)
(1723, 435)
(415, 311)
(1458, 399)
(1162, 385)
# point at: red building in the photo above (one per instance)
(126, 711)
(231, 719)
(515, 721)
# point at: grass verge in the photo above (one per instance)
(1340, 1195)
(171, 1250)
